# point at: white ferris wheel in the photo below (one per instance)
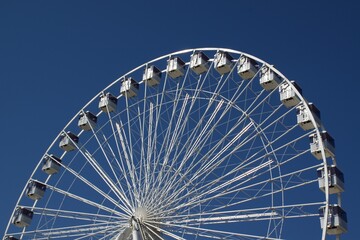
(203, 143)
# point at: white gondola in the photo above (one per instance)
(175, 67)
(108, 103)
(269, 80)
(87, 121)
(68, 141)
(35, 190)
(129, 87)
(303, 116)
(247, 68)
(22, 217)
(151, 76)
(336, 223)
(335, 179)
(51, 164)
(199, 62)
(328, 143)
(288, 95)
(223, 62)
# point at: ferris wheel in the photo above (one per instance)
(206, 143)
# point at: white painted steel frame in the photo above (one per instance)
(199, 179)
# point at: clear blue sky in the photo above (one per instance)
(56, 55)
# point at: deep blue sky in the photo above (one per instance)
(56, 55)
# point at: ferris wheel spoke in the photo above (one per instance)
(193, 164)
(257, 155)
(144, 163)
(76, 215)
(143, 159)
(144, 169)
(119, 163)
(118, 181)
(204, 131)
(149, 149)
(259, 194)
(241, 91)
(233, 189)
(163, 231)
(251, 137)
(158, 106)
(224, 185)
(177, 131)
(198, 89)
(213, 166)
(152, 233)
(250, 217)
(84, 200)
(197, 130)
(168, 177)
(252, 107)
(224, 234)
(212, 162)
(271, 115)
(195, 200)
(111, 235)
(172, 166)
(245, 215)
(94, 187)
(127, 146)
(102, 173)
(127, 107)
(105, 177)
(110, 164)
(241, 186)
(198, 124)
(121, 167)
(129, 163)
(109, 231)
(236, 169)
(69, 231)
(195, 144)
(170, 133)
(168, 146)
(214, 183)
(199, 198)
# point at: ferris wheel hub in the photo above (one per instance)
(140, 214)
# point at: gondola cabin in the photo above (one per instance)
(151, 76)
(51, 164)
(175, 67)
(87, 121)
(22, 217)
(108, 103)
(129, 87)
(336, 222)
(304, 116)
(328, 143)
(288, 95)
(269, 80)
(223, 62)
(68, 141)
(247, 68)
(199, 62)
(335, 179)
(35, 190)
